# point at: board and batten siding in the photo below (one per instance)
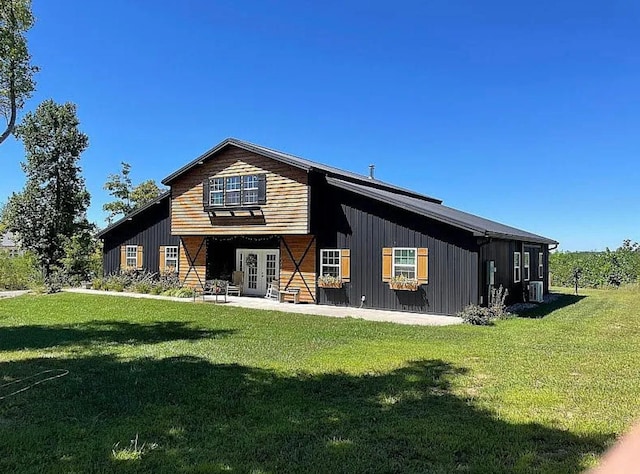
(341, 219)
(287, 197)
(501, 252)
(151, 229)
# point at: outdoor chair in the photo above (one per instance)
(272, 290)
(235, 287)
(215, 288)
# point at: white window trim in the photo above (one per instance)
(393, 260)
(127, 258)
(526, 265)
(540, 264)
(167, 259)
(242, 190)
(213, 192)
(255, 189)
(323, 265)
(516, 279)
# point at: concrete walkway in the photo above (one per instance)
(12, 293)
(320, 310)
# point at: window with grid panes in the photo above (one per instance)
(405, 262)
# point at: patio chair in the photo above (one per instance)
(216, 288)
(235, 287)
(273, 290)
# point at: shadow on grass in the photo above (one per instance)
(100, 332)
(545, 309)
(195, 416)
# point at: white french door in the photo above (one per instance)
(260, 267)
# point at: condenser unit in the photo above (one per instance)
(536, 291)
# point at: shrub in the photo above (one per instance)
(19, 272)
(497, 298)
(477, 315)
(55, 281)
(98, 284)
(141, 287)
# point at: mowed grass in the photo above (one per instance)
(155, 386)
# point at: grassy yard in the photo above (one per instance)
(155, 386)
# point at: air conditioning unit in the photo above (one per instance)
(536, 291)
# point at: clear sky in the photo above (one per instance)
(527, 113)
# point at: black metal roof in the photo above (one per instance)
(132, 214)
(479, 226)
(298, 162)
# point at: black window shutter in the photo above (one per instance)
(262, 189)
(205, 193)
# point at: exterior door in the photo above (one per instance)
(260, 267)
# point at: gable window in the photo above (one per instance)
(250, 189)
(527, 266)
(404, 262)
(171, 258)
(516, 267)
(235, 191)
(330, 262)
(541, 265)
(232, 189)
(216, 192)
(131, 256)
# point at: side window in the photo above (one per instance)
(516, 267)
(527, 266)
(131, 256)
(541, 265)
(405, 262)
(171, 258)
(330, 262)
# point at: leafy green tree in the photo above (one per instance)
(16, 71)
(127, 196)
(83, 255)
(51, 208)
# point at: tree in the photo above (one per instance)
(51, 208)
(83, 255)
(119, 186)
(16, 71)
(127, 196)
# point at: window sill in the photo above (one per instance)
(232, 208)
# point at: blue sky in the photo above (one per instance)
(523, 112)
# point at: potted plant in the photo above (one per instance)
(403, 283)
(329, 281)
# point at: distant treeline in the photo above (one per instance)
(597, 269)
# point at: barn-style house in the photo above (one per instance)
(332, 236)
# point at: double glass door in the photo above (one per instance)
(260, 267)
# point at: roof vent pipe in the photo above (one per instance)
(371, 168)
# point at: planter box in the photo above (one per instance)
(404, 286)
(330, 285)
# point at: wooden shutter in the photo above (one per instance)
(161, 267)
(387, 263)
(123, 258)
(423, 266)
(345, 265)
(262, 189)
(205, 193)
(139, 257)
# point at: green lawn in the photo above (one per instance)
(209, 388)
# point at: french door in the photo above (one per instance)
(260, 267)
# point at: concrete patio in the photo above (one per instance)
(320, 310)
